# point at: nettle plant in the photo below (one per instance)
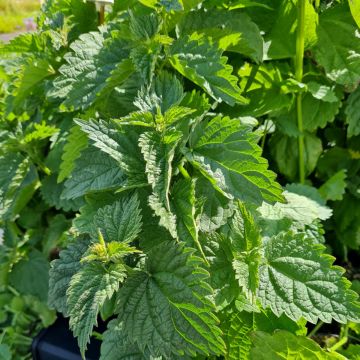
(186, 240)
(144, 134)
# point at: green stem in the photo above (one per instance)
(196, 240)
(315, 329)
(343, 338)
(264, 136)
(299, 60)
(184, 173)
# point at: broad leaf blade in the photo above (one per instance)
(165, 308)
(332, 49)
(246, 241)
(201, 62)
(88, 290)
(238, 33)
(93, 58)
(300, 281)
(158, 152)
(120, 144)
(94, 171)
(120, 221)
(284, 345)
(227, 154)
(355, 10)
(116, 345)
(61, 272)
(352, 112)
(76, 142)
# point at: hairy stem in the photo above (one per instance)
(343, 338)
(315, 329)
(184, 173)
(264, 135)
(299, 59)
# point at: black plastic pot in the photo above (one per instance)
(57, 343)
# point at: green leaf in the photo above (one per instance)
(144, 57)
(262, 84)
(18, 181)
(120, 221)
(61, 272)
(39, 132)
(31, 42)
(87, 292)
(355, 10)
(282, 144)
(170, 298)
(246, 241)
(5, 353)
(120, 144)
(32, 74)
(279, 23)
(82, 14)
(347, 221)
(116, 346)
(215, 207)
(222, 275)
(51, 193)
(227, 154)
(238, 33)
(76, 142)
(171, 5)
(332, 49)
(94, 171)
(55, 233)
(284, 345)
(200, 61)
(334, 188)
(183, 201)
(317, 114)
(352, 113)
(308, 191)
(300, 281)
(300, 209)
(88, 67)
(241, 326)
(159, 153)
(30, 275)
(322, 92)
(352, 352)
(166, 92)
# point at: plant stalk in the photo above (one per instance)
(102, 14)
(343, 338)
(184, 173)
(315, 329)
(299, 60)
